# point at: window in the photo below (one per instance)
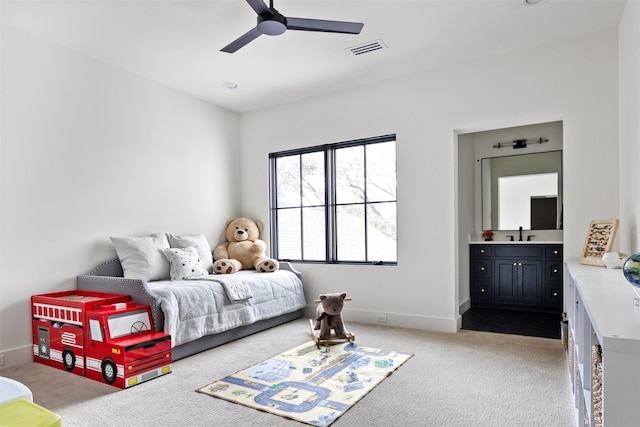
(335, 203)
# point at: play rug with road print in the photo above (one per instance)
(309, 384)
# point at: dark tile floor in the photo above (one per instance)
(545, 325)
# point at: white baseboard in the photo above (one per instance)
(17, 356)
(411, 321)
(24, 355)
(464, 306)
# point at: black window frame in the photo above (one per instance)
(329, 205)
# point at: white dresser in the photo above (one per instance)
(604, 345)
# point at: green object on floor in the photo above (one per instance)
(21, 412)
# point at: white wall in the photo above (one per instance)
(87, 152)
(630, 128)
(574, 81)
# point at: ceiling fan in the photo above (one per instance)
(272, 23)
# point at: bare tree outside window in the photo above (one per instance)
(335, 203)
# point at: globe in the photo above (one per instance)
(631, 269)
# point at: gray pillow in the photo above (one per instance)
(143, 257)
(199, 241)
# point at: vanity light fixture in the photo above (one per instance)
(520, 143)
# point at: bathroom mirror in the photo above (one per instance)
(522, 191)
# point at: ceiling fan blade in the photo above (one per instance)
(304, 24)
(259, 6)
(241, 41)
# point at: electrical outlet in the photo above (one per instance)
(1, 359)
(381, 318)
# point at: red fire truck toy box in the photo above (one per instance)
(105, 337)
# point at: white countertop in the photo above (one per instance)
(608, 300)
(508, 242)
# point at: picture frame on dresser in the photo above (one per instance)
(600, 238)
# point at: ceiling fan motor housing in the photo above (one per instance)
(272, 24)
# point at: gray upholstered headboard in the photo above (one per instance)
(108, 278)
(109, 268)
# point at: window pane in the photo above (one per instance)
(288, 176)
(381, 172)
(381, 232)
(350, 242)
(313, 237)
(313, 179)
(289, 244)
(358, 185)
(350, 175)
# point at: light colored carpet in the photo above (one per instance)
(465, 379)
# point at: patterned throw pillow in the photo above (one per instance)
(185, 263)
(199, 241)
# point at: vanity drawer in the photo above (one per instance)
(553, 271)
(553, 295)
(481, 269)
(518, 251)
(481, 251)
(553, 252)
(482, 291)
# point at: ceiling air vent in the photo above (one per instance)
(367, 47)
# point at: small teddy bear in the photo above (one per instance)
(243, 249)
(329, 316)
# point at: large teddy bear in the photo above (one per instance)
(243, 249)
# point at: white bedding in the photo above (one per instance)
(195, 308)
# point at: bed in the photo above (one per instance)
(205, 312)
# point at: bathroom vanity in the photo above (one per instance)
(519, 275)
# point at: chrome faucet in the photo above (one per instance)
(520, 239)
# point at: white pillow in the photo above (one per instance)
(199, 241)
(185, 263)
(142, 257)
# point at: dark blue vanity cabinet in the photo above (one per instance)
(523, 276)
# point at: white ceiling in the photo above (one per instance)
(178, 42)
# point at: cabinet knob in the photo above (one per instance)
(519, 263)
(555, 294)
(555, 252)
(483, 290)
(515, 263)
(555, 270)
(481, 268)
(481, 251)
